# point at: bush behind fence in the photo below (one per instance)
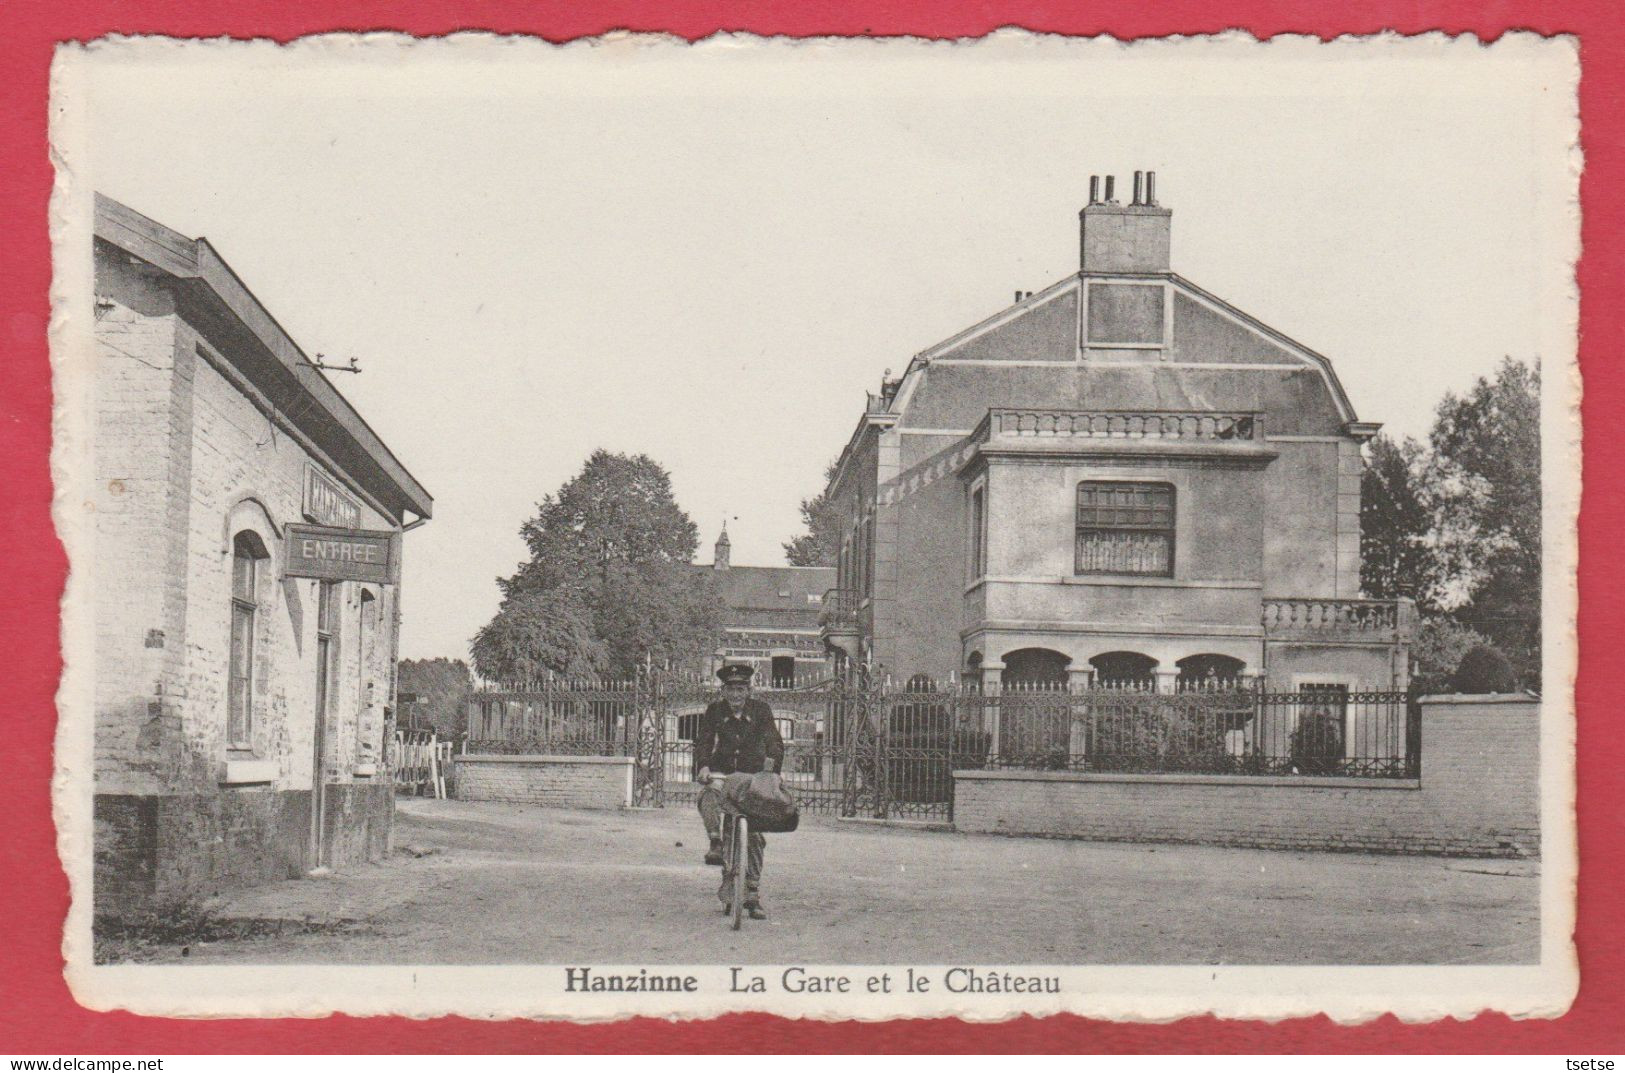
(910, 741)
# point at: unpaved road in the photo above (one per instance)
(511, 884)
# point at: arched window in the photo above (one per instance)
(248, 556)
(1034, 668)
(1207, 672)
(1125, 670)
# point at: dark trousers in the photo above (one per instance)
(711, 812)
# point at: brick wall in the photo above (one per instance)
(555, 781)
(185, 457)
(136, 679)
(1478, 795)
(186, 453)
(167, 852)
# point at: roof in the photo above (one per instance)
(263, 352)
(940, 354)
(753, 597)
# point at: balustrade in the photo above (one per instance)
(1124, 425)
(1372, 617)
(840, 609)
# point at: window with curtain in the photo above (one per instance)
(1125, 527)
(247, 556)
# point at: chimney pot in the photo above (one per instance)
(1094, 189)
(1114, 237)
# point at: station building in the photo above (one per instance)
(247, 535)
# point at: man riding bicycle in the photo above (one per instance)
(736, 734)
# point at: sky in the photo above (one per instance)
(708, 254)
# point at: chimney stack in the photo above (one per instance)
(1130, 239)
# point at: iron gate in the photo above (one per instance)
(850, 749)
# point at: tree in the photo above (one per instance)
(820, 545)
(1484, 669)
(1397, 556)
(536, 634)
(1437, 651)
(612, 549)
(1484, 483)
(442, 688)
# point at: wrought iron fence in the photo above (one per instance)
(565, 716)
(1205, 731)
(854, 749)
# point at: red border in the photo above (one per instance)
(37, 1014)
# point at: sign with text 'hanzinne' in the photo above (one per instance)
(322, 551)
(326, 503)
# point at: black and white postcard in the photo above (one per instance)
(842, 528)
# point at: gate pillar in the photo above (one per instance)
(992, 685)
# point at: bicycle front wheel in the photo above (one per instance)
(741, 855)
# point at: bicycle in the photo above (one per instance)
(735, 861)
(735, 856)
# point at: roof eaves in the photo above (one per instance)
(1313, 356)
(866, 422)
(196, 259)
(1010, 312)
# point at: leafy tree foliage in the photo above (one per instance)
(610, 577)
(1484, 480)
(1437, 650)
(442, 688)
(537, 633)
(1484, 669)
(820, 545)
(1397, 556)
(1455, 525)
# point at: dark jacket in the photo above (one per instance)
(726, 744)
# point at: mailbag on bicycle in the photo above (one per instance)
(765, 802)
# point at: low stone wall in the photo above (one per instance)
(1478, 795)
(556, 781)
(161, 852)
